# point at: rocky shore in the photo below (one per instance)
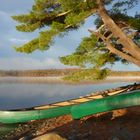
(121, 124)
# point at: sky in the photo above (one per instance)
(12, 60)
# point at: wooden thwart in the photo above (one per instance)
(82, 99)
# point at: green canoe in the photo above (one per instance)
(106, 104)
(56, 109)
(28, 115)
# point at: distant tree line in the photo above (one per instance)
(64, 72)
(34, 73)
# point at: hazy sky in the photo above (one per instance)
(10, 59)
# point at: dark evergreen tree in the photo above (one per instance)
(117, 37)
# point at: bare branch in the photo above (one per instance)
(112, 49)
(63, 14)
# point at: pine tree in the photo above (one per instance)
(117, 37)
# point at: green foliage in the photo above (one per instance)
(135, 23)
(28, 47)
(73, 19)
(57, 17)
(57, 27)
(50, 13)
(24, 18)
(28, 27)
(89, 54)
(69, 4)
(77, 5)
(45, 39)
(87, 74)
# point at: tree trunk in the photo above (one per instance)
(123, 55)
(129, 46)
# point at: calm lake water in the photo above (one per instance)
(20, 95)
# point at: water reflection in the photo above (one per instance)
(19, 95)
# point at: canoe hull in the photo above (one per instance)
(25, 116)
(106, 104)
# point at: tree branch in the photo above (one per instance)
(127, 43)
(92, 11)
(63, 14)
(123, 55)
(116, 51)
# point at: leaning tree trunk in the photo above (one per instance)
(128, 45)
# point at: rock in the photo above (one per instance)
(50, 136)
(115, 138)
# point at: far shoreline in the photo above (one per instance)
(59, 79)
